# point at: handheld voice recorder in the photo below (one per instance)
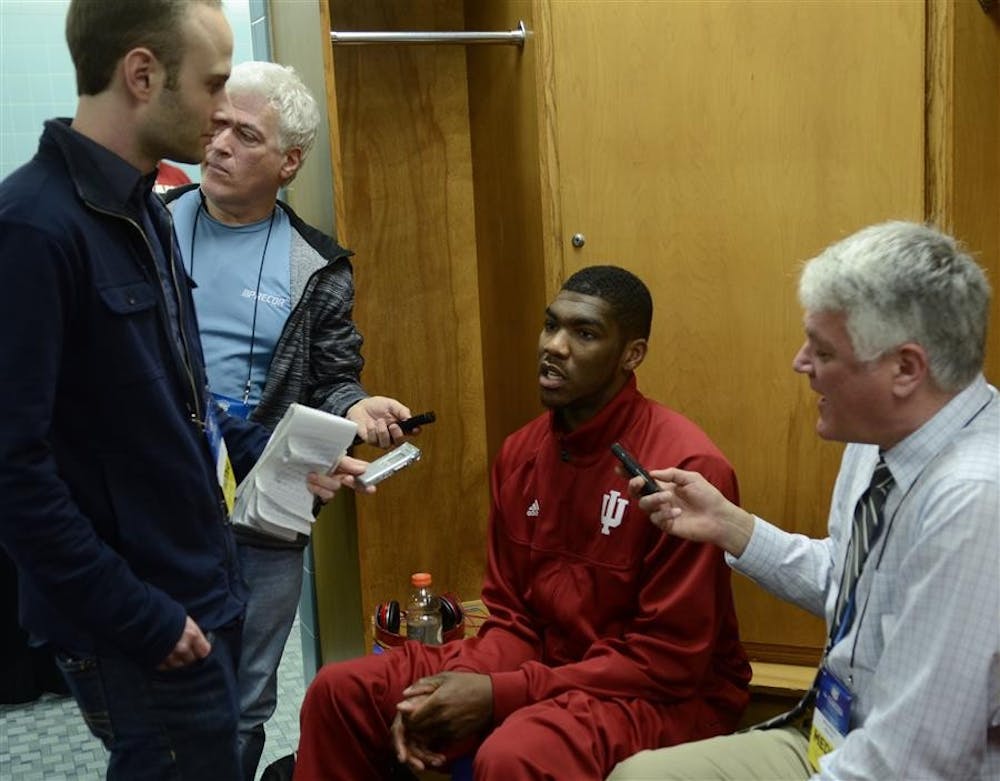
(384, 466)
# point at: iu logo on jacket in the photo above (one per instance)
(612, 511)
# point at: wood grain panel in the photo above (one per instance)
(963, 125)
(503, 120)
(407, 209)
(711, 147)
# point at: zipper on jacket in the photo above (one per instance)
(180, 322)
(195, 413)
(287, 327)
(228, 544)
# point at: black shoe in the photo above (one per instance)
(280, 770)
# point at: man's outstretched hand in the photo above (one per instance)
(689, 506)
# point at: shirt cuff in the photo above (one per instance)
(763, 552)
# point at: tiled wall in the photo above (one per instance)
(36, 73)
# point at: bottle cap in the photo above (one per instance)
(420, 579)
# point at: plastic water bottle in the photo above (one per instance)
(423, 611)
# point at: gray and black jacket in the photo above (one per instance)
(317, 360)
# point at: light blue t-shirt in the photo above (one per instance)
(226, 261)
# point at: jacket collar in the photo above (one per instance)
(315, 238)
(101, 178)
(596, 435)
(326, 246)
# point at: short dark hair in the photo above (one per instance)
(629, 298)
(100, 32)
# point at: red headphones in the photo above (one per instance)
(389, 618)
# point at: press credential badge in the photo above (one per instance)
(223, 468)
(831, 717)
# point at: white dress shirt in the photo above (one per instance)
(922, 656)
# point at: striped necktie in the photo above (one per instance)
(864, 533)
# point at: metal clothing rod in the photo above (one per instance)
(515, 37)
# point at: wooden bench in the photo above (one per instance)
(774, 688)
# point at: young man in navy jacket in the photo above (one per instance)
(111, 502)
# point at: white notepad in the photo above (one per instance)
(273, 497)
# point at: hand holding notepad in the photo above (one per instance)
(273, 497)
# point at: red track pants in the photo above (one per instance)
(350, 706)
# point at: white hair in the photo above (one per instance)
(281, 87)
(902, 282)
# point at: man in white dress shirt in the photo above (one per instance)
(909, 685)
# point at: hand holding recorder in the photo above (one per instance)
(345, 473)
(688, 506)
(379, 420)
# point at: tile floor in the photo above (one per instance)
(46, 740)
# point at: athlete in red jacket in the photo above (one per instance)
(605, 637)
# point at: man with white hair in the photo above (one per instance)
(274, 299)
(907, 578)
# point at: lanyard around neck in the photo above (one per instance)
(882, 544)
(256, 298)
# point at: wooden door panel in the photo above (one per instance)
(406, 209)
(711, 147)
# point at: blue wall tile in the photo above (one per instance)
(36, 73)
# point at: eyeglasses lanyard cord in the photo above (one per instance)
(256, 298)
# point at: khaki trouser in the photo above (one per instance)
(760, 755)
